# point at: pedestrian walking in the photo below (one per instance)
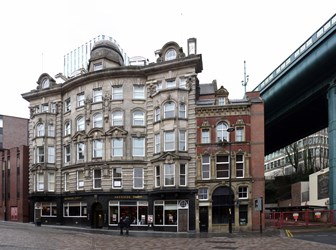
(127, 223)
(121, 225)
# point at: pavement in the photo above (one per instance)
(21, 236)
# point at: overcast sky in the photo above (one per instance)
(35, 35)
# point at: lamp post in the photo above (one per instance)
(231, 129)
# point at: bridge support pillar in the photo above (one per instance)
(332, 144)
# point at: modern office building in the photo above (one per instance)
(309, 153)
(15, 162)
(117, 141)
(230, 160)
(77, 60)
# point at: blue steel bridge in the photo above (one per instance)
(300, 96)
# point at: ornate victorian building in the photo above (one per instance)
(117, 141)
(230, 160)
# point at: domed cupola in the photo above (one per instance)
(105, 54)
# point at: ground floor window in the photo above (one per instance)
(137, 211)
(74, 209)
(165, 212)
(243, 214)
(222, 205)
(49, 209)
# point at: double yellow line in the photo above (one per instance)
(289, 233)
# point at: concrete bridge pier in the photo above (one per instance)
(332, 144)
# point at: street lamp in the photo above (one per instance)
(231, 129)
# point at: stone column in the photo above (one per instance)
(332, 144)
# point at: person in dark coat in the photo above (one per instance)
(121, 225)
(127, 223)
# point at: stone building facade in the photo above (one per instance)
(117, 141)
(230, 160)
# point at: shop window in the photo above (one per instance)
(165, 212)
(74, 209)
(137, 211)
(49, 209)
(243, 215)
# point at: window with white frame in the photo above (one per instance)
(182, 111)
(117, 178)
(138, 92)
(183, 175)
(182, 140)
(74, 209)
(80, 151)
(182, 83)
(169, 110)
(53, 107)
(138, 146)
(157, 145)
(157, 114)
(97, 178)
(98, 120)
(138, 118)
(51, 130)
(221, 100)
(97, 148)
(40, 154)
(80, 179)
(40, 182)
(67, 105)
(205, 167)
(97, 95)
(80, 123)
(169, 175)
(169, 141)
(222, 134)
(170, 84)
(44, 107)
(242, 192)
(138, 178)
(51, 182)
(157, 176)
(51, 154)
(117, 147)
(203, 194)
(239, 133)
(205, 135)
(40, 129)
(66, 181)
(80, 100)
(222, 166)
(67, 153)
(240, 166)
(49, 209)
(117, 118)
(67, 128)
(117, 93)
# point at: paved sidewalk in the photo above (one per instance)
(21, 236)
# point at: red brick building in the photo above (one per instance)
(14, 160)
(230, 160)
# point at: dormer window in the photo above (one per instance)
(97, 66)
(221, 100)
(45, 83)
(170, 55)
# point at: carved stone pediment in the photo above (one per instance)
(116, 132)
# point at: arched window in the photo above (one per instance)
(138, 118)
(80, 123)
(117, 118)
(170, 55)
(222, 133)
(98, 120)
(169, 110)
(222, 202)
(45, 83)
(40, 129)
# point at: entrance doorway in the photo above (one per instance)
(183, 220)
(203, 219)
(97, 216)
